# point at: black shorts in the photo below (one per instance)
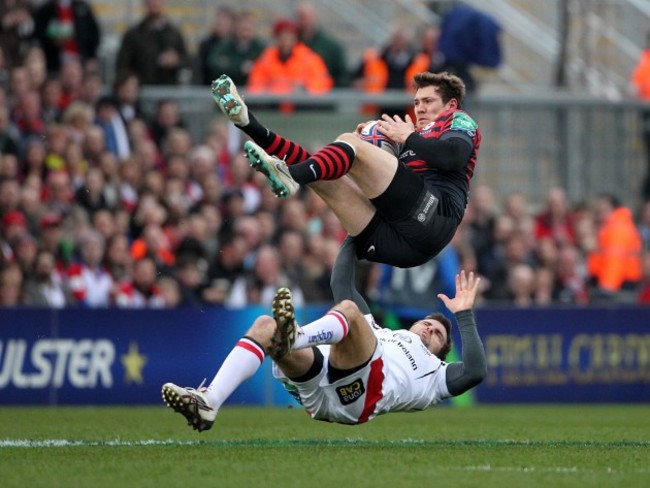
(409, 227)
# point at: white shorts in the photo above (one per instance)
(349, 400)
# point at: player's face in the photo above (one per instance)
(428, 105)
(432, 333)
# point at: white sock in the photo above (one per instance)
(242, 363)
(329, 329)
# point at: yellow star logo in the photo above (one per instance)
(133, 363)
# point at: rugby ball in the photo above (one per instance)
(373, 135)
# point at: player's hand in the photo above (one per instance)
(395, 128)
(361, 125)
(466, 291)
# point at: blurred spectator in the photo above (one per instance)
(166, 117)
(312, 34)
(512, 251)
(398, 54)
(225, 269)
(11, 285)
(78, 118)
(126, 91)
(35, 65)
(221, 30)
(25, 248)
(170, 292)
(259, 286)
(241, 178)
(481, 219)
(90, 282)
(570, 277)
(154, 244)
(288, 65)
(72, 79)
(469, 37)
(27, 115)
(16, 28)
(67, 29)
(641, 83)
(8, 134)
(544, 286)
(14, 225)
(19, 84)
(53, 238)
(108, 117)
(293, 256)
(153, 49)
(428, 57)
(90, 196)
(644, 288)
(235, 55)
(644, 224)
(189, 273)
(520, 285)
(615, 264)
(92, 87)
(9, 195)
(45, 287)
(117, 259)
(371, 76)
(52, 99)
(385, 68)
(556, 220)
(142, 291)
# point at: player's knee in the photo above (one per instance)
(349, 138)
(349, 309)
(262, 330)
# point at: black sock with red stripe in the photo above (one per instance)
(272, 143)
(330, 163)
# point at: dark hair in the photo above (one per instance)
(449, 86)
(446, 323)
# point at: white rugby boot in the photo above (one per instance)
(228, 99)
(275, 170)
(191, 403)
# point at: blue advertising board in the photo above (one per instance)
(114, 356)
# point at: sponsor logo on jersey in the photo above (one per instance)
(351, 393)
(464, 123)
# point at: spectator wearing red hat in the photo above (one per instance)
(288, 65)
(14, 224)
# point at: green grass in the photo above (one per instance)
(483, 446)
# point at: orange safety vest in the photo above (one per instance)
(641, 75)
(303, 70)
(375, 77)
(617, 258)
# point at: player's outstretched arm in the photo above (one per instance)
(465, 374)
(342, 281)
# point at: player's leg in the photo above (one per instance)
(372, 167)
(230, 102)
(344, 328)
(200, 406)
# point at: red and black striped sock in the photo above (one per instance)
(273, 143)
(329, 163)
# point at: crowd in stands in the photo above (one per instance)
(102, 206)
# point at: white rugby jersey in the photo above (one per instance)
(403, 375)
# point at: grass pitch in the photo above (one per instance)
(483, 446)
